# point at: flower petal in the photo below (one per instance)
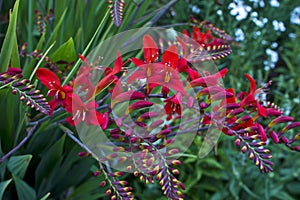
(118, 64)
(150, 49)
(170, 57)
(252, 84)
(137, 61)
(48, 78)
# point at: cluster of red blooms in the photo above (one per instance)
(238, 115)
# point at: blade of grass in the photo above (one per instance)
(55, 32)
(9, 40)
(15, 58)
(40, 61)
(30, 26)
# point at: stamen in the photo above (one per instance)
(83, 115)
(167, 77)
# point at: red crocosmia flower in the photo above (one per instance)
(109, 75)
(201, 38)
(249, 98)
(150, 56)
(83, 78)
(59, 93)
(169, 76)
(150, 49)
(83, 112)
(173, 104)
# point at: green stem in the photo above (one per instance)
(74, 69)
(40, 61)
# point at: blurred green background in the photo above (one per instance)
(268, 33)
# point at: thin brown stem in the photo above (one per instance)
(27, 137)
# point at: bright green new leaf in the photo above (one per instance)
(65, 52)
(9, 40)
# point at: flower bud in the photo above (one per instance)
(102, 183)
(238, 142)
(108, 192)
(274, 136)
(297, 148)
(244, 148)
(138, 105)
(280, 119)
(290, 126)
(284, 140)
(126, 96)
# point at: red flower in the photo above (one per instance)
(249, 98)
(83, 112)
(59, 93)
(150, 51)
(169, 76)
(173, 104)
(150, 56)
(83, 78)
(210, 80)
(201, 38)
(109, 75)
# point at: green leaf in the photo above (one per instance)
(49, 159)
(212, 163)
(193, 179)
(17, 165)
(15, 58)
(65, 52)
(3, 186)
(9, 40)
(88, 190)
(24, 191)
(55, 32)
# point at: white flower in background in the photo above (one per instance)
(259, 22)
(274, 3)
(273, 59)
(295, 16)
(239, 9)
(278, 26)
(239, 35)
(195, 9)
(259, 3)
(274, 45)
(292, 35)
